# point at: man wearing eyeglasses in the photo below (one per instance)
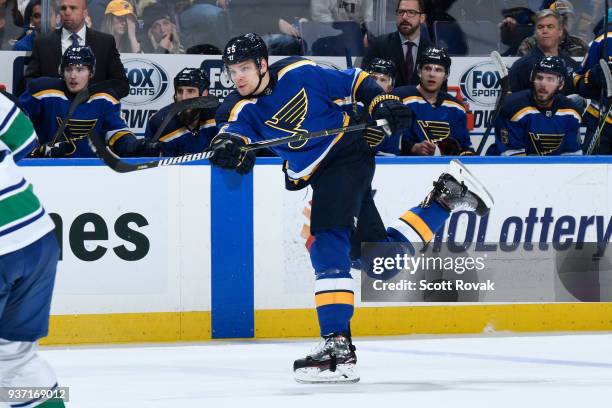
(404, 45)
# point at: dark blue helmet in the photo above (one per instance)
(382, 66)
(192, 77)
(434, 55)
(243, 48)
(78, 56)
(550, 65)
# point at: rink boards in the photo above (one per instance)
(192, 252)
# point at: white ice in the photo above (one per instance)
(483, 371)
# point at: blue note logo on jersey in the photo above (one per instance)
(481, 83)
(148, 81)
(433, 130)
(289, 118)
(546, 143)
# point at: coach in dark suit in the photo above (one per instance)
(404, 45)
(48, 50)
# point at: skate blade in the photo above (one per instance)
(344, 374)
(462, 174)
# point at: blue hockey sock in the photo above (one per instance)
(418, 224)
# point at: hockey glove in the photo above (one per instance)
(449, 146)
(395, 112)
(227, 153)
(56, 150)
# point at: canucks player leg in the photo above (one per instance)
(28, 260)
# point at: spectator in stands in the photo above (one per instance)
(573, 45)
(48, 49)
(404, 45)
(517, 24)
(162, 34)
(202, 21)
(120, 21)
(11, 23)
(277, 23)
(327, 11)
(549, 34)
(437, 14)
(33, 14)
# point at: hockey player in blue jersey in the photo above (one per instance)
(292, 96)
(47, 100)
(192, 130)
(539, 121)
(440, 120)
(589, 83)
(29, 253)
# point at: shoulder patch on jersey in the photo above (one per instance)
(295, 65)
(104, 96)
(233, 115)
(524, 112)
(50, 93)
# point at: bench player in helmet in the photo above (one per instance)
(589, 83)
(539, 121)
(192, 130)
(47, 100)
(440, 120)
(292, 96)
(29, 253)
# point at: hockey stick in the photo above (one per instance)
(81, 97)
(592, 144)
(505, 87)
(203, 102)
(114, 162)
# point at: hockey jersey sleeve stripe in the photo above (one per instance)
(453, 104)
(413, 99)
(295, 65)
(50, 93)
(418, 224)
(113, 136)
(360, 76)
(569, 112)
(208, 123)
(17, 132)
(523, 112)
(233, 116)
(17, 205)
(103, 96)
(591, 110)
(173, 135)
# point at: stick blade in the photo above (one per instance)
(499, 63)
(608, 77)
(98, 145)
(203, 102)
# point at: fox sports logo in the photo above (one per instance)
(481, 83)
(148, 81)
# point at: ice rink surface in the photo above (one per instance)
(482, 371)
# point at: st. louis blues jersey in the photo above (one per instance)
(299, 100)
(524, 129)
(581, 80)
(47, 100)
(178, 139)
(447, 117)
(376, 137)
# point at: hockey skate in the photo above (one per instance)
(459, 190)
(333, 361)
